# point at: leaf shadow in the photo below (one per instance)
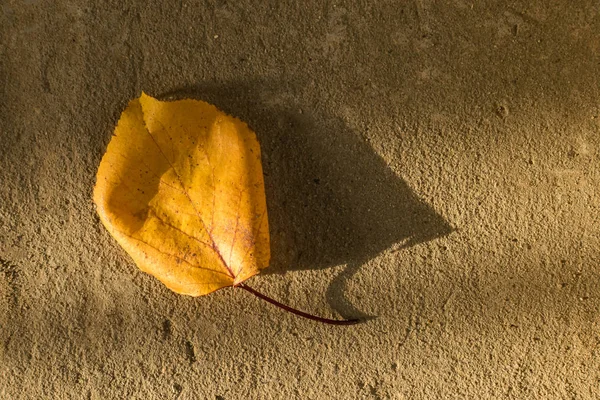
(332, 200)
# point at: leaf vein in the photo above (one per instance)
(214, 246)
(171, 255)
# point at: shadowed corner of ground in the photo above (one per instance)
(331, 199)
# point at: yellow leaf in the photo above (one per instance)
(181, 189)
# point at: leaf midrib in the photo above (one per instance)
(187, 195)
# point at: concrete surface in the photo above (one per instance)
(432, 164)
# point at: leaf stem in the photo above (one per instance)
(298, 312)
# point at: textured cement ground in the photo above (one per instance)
(431, 164)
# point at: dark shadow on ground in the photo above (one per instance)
(331, 199)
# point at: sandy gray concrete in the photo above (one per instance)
(433, 165)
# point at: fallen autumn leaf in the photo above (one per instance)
(181, 189)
